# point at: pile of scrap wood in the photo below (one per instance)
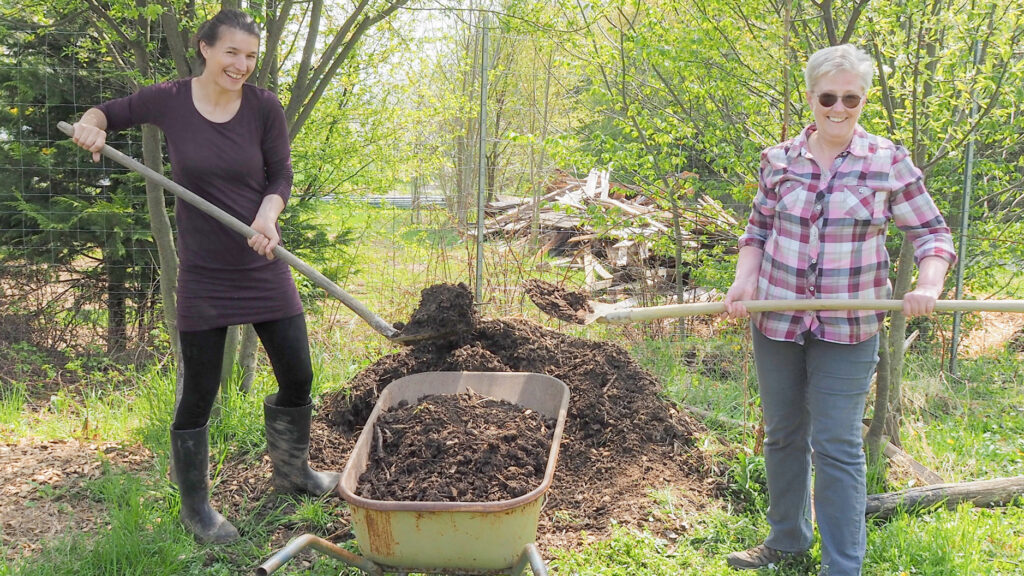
(609, 229)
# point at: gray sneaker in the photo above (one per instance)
(757, 557)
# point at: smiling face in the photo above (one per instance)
(231, 60)
(836, 123)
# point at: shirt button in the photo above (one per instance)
(811, 289)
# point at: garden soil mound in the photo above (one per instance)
(621, 439)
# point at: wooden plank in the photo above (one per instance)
(515, 212)
(559, 221)
(594, 270)
(645, 214)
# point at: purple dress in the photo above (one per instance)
(234, 164)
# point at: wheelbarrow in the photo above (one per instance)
(452, 538)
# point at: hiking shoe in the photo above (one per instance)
(759, 556)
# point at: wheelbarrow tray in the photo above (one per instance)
(453, 537)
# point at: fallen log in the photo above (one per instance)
(982, 493)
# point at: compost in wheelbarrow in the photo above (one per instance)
(453, 537)
(457, 448)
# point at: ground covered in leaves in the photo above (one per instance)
(44, 488)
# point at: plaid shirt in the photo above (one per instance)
(823, 234)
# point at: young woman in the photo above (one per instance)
(228, 142)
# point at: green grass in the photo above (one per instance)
(960, 542)
(943, 542)
(13, 398)
(100, 407)
(716, 376)
(631, 552)
(969, 426)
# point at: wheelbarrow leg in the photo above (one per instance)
(531, 556)
(300, 543)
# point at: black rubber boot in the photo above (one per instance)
(288, 445)
(190, 455)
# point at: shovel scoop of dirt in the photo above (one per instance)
(558, 302)
(445, 310)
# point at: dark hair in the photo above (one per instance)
(209, 31)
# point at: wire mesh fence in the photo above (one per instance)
(78, 267)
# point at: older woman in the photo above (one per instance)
(817, 230)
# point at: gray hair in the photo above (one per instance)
(842, 58)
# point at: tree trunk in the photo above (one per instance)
(897, 350)
(247, 357)
(160, 227)
(227, 366)
(117, 335)
(982, 493)
(873, 440)
(538, 186)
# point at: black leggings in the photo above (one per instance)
(202, 354)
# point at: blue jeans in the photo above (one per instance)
(812, 395)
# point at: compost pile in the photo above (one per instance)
(621, 439)
(456, 448)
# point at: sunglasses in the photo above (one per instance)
(828, 100)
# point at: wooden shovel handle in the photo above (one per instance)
(375, 322)
(680, 310)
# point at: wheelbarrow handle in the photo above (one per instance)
(680, 310)
(375, 322)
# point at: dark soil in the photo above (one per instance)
(456, 448)
(558, 302)
(621, 439)
(1016, 341)
(445, 310)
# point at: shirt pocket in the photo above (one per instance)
(860, 203)
(795, 201)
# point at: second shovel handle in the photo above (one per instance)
(680, 310)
